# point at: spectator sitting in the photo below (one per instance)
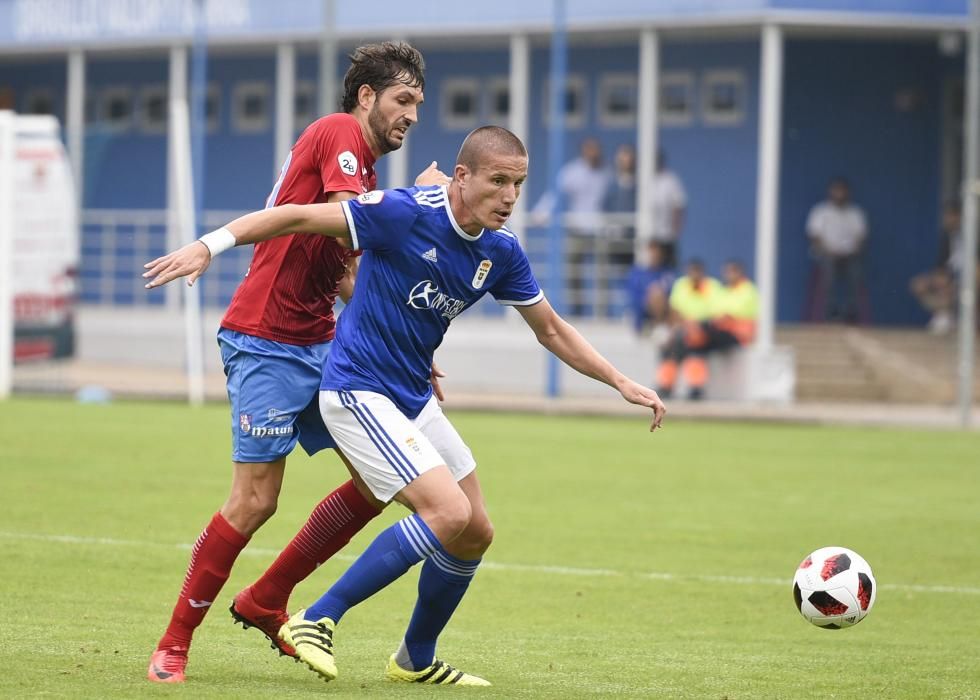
(837, 230)
(649, 290)
(693, 300)
(935, 289)
(734, 312)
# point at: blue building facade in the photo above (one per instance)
(879, 104)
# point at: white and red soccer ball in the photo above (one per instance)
(834, 588)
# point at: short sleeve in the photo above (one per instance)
(336, 143)
(380, 219)
(517, 286)
(814, 226)
(679, 194)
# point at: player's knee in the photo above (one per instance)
(478, 537)
(450, 517)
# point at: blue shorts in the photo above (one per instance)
(273, 389)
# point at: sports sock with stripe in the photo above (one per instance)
(442, 584)
(392, 553)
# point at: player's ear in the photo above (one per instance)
(366, 97)
(460, 174)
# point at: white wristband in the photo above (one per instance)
(218, 241)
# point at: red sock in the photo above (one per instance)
(211, 559)
(336, 519)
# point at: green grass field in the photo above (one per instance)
(625, 564)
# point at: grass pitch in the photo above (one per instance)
(625, 564)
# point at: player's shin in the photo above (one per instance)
(442, 584)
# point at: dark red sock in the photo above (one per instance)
(211, 560)
(336, 519)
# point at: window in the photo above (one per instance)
(574, 98)
(676, 98)
(723, 97)
(498, 101)
(459, 106)
(250, 107)
(304, 105)
(39, 101)
(154, 109)
(212, 107)
(617, 100)
(116, 108)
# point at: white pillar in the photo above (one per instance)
(7, 143)
(647, 141)
(328, 61)
(767, 186)
(177, 93)
(518, 118)
(75, 120)
(285, 102)
(971, 191)
(398, 175)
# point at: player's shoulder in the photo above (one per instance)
(338, 126)
(505, 237)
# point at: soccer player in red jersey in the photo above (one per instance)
(274, 338)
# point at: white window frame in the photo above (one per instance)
(494, 85)
(685, 80)
(307, 89)
(148, 92)
(33, 94)
(711, 78)
(447, 91)
(607, 83)
(575, 82)
(113, 92)
(243, 91)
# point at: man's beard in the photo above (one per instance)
(379, 128)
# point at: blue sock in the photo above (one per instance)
(392, 553)
(442, 583)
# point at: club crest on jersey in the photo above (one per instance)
(245, 423)
(481, 274)
(348, 163)
(372, 197)
(426, 295)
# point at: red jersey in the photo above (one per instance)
(292, 282)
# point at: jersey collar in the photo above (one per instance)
(452, 219)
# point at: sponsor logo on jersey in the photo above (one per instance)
(261, 431)
(431, 255)
(277, 416)
(245, 422)
(481, 273)
(426, 295)
(348, 163)
(372, 197)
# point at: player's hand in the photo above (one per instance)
(434, 379)
(190, 261)
(644, 396)
(432, 176)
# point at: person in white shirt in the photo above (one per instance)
(837, 229)
(669, 204)
(582, 186)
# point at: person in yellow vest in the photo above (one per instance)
(732, 314)
(693, 300)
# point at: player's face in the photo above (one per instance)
(491, 191)
(395, 109)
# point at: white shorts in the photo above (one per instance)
(388, 449)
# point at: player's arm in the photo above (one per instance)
(561, 338)
(194, 258)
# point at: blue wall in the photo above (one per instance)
(841, 118)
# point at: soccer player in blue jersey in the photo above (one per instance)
(429, 254)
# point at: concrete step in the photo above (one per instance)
(823, 389)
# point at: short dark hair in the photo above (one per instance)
(488, 139)
(379, 66)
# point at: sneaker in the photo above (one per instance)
(167, 665)
(313, 642)
(250, 614)
(439, 673)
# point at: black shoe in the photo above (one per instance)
(697, 394)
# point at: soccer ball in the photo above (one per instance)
(834, 588)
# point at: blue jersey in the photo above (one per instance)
(419, 271)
